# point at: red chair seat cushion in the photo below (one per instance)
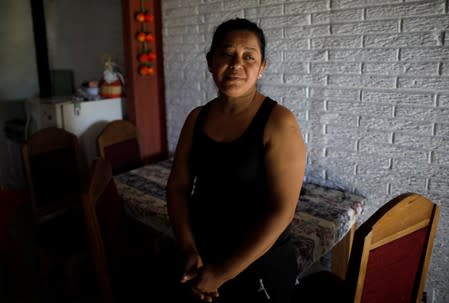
(392, 269)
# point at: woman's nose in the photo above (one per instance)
(236, 61)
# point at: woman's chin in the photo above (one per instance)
(234, 90)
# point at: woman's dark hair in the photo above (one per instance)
(237, 24)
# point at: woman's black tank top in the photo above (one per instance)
(230, 191)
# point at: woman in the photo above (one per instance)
(236, 179)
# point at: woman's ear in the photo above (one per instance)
(209, 61)
(262, 67)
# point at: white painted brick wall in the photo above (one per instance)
(367, 80)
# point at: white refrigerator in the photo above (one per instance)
(85, 119)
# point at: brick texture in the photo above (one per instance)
(367, 80)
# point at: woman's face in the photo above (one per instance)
(237, 64)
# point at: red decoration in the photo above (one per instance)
(141, 37)
(111, 90)
(148, 17)
(147, 54)
(142, 57)
(140, 17)
(151, 56)
(149, 37)
(145, 70)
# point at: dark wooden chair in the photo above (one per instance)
(389, 260)
(52, 166)
(103, 215)
(118, 143)
(125, 266)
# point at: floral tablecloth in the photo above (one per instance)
(323, 217)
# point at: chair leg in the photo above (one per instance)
(341, 253)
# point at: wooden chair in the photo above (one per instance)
(52, 166)
(389, 259)
(124, 265)
(102, 197)
(118, 143)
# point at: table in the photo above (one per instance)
(325, 218)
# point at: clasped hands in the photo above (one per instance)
(202, 279)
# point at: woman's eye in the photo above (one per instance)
(227, 54)
(249, 57)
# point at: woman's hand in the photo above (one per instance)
(192, 263)
(206, 283)
(192, 268)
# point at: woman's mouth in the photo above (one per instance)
(233, 77)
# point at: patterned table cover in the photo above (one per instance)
(323, 217)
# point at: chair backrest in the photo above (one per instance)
(391, 251)
(104, 218)
(118, 143)
(52, 166)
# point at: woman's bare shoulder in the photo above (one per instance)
(194, 112)
(192, 116)
(281, 125)
(282, 117)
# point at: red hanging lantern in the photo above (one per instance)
(140, 17)
(149, 37)
(146, 56)
(145, 70)
(141, 36)
(148, 17)
(142, 57)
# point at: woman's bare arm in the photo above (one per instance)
(179, 187)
